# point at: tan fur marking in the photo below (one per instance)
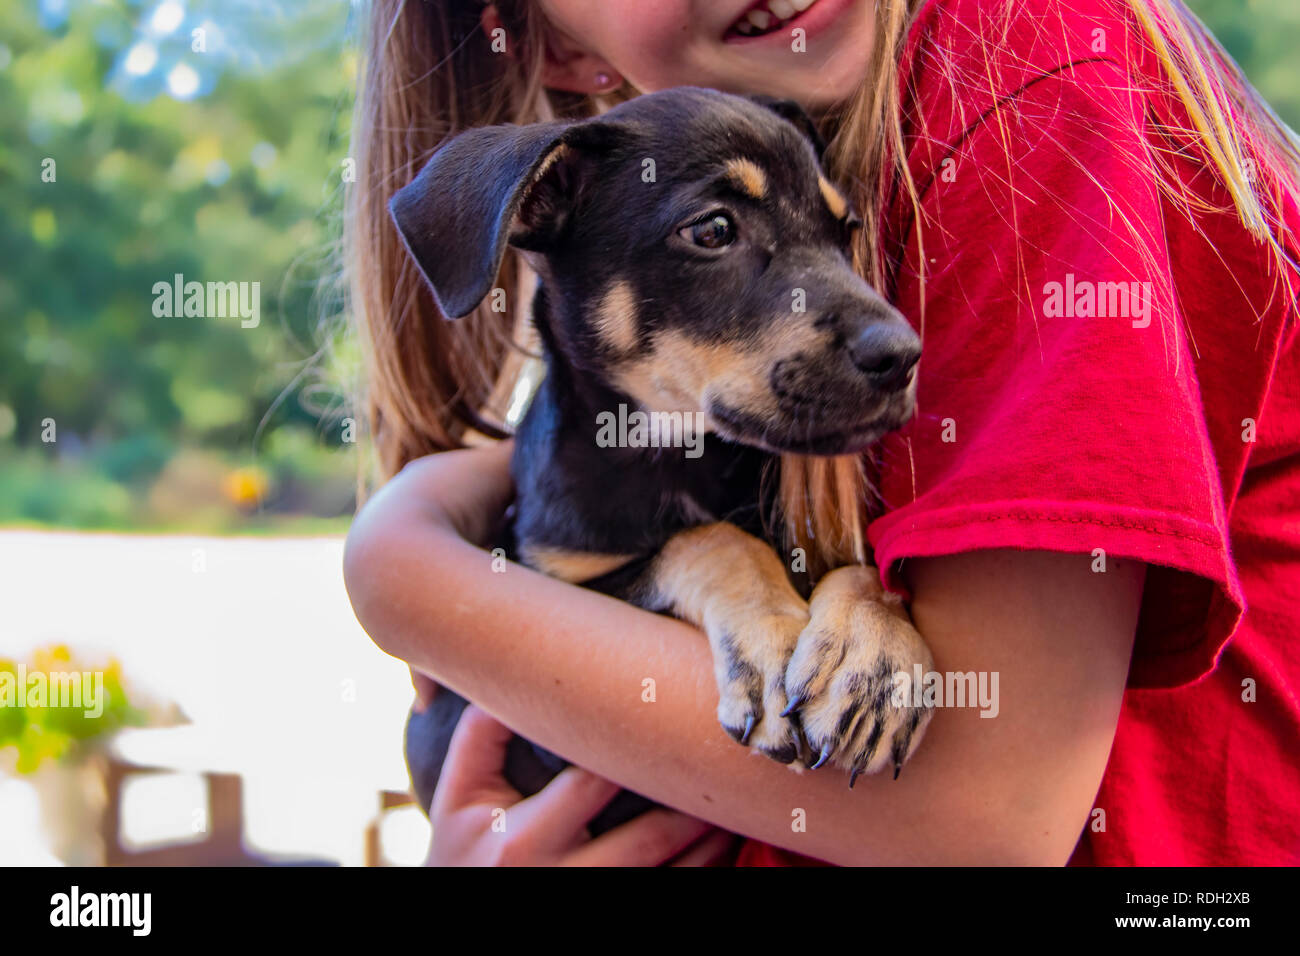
(573, 566)
(843, 593)
(679, 373)
(717, 576)
(749, 176)
(836, 202)
(735, 588)
(615, 318)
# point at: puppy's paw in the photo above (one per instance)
(750, 659)
(841, 676)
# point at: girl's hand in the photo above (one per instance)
(480, 820)
(425, 687)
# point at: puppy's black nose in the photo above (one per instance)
(886, 352)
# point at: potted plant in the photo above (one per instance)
(57, 713)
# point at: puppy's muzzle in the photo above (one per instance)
(840, 399)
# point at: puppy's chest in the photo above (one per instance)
(575, 495)
(727, 487)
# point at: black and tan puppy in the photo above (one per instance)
(694, 267)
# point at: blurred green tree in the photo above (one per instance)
(109, 189)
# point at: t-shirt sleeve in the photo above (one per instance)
(1057, 406)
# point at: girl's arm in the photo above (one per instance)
(565, 667)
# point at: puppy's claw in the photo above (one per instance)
(794, 705)
(899, 753)
(825, 756)
(853, 777)
(801, 743)
(749, 729)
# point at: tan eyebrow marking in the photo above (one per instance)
(835, 201)
(749, 176)
(615, 320)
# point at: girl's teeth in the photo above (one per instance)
(759, 20)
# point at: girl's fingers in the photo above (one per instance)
(716, 849)
(426, 688)
(476, 755)
(649, 840)
(558, 814)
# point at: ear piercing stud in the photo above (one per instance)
(603, 81)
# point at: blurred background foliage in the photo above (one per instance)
(220, 164)
(223, 163)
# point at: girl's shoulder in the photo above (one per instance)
(972, 55)
(975, 74)
(1028, 30)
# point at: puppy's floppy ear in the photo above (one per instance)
(487, 187)
(795, 114)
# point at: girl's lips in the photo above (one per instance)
(812, 20)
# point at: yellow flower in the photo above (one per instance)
(246, 486)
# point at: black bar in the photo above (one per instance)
(301, 906)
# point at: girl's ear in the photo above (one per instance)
(485, 188)
(791, 111)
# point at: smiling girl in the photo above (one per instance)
(1091, 219)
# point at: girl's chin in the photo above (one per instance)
(816, 89)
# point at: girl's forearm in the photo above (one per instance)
(630, 696)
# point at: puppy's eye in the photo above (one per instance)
(711, 232)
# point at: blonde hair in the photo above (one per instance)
(430, 73)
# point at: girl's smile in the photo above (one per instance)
(770, 18)
(744, 46)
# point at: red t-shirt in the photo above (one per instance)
(1159, 425)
